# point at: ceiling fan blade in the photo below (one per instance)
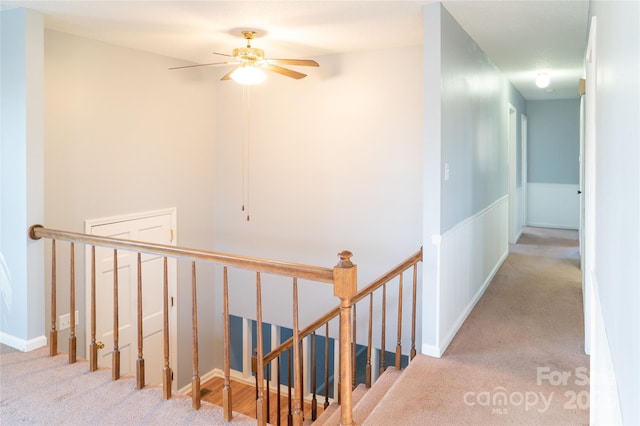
(284, 71)
(201, 65)
(227, 76)
(300, 62)
(223, 54)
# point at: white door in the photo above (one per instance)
(589, 192)
(154, 228)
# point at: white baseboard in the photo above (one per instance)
(553, 225)
(22, 344)
(431, 350)
(553, 205)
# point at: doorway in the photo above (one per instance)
(523, 171)
(514, 228)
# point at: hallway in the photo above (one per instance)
(518, 358)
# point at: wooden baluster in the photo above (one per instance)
(53, 333)
(301, 373)
(413, 312)
(115, 357)
(278, 393)
(367, 372)
(268, 379)
(226, 390)
(399, 344)
(72, 308)
(297, 390)
(383, 346)
(354, 346)
(260, 409)
(326, 365)
(345, 286)
(289, 398)
(195, 378)
(166, 371)
(339, 370)
(93, 346)
(140, 361)
(254, 371)
(314, 371)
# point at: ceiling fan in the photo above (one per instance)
(249, 61)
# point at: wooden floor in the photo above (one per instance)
(243, 397)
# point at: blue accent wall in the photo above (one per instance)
(474, 95)
(553, 141)
(235, 337)
(235, 325)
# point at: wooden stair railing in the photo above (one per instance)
(348, 337)
(342, 277)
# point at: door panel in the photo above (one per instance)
(153, 229)
(104, 307)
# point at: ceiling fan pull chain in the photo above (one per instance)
(248, 153)
(245, 151)
(244, 143)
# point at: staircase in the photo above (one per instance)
(343, 278)
(364, 400)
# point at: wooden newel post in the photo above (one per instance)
(345, 285)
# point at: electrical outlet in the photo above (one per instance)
(65, 321)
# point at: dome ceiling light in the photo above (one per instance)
(543, 80)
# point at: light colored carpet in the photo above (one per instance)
(518, 358)
(36, 389)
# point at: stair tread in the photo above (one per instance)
(326, 414)
(379, 389)
(364, 400)
(331, 416)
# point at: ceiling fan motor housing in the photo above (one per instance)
(248, 54)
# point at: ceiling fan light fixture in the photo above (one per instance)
(251, 64)
(543, 80)
(248, 75)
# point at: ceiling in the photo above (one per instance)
(521, 37)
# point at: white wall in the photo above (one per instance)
(125, 135)
(335, 163)
(617, 216)
(21, 179)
